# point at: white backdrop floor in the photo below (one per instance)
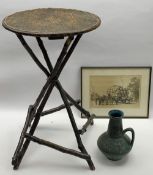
(43, 160)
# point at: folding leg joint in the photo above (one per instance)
(85, 126)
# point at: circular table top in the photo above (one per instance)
(51, 22)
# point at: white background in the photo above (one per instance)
(125, 38)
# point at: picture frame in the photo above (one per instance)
(123, 88)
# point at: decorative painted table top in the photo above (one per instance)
(54, 22)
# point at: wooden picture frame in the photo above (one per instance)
(123, 88)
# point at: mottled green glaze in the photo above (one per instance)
(114, 143)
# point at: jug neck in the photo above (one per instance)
(115, 127)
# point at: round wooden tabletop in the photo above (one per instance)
(51, 22)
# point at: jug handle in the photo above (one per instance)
(133, 134)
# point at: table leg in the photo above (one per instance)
(75, 129)
(46, 57)
(35, 111)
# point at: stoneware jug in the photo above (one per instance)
(115, 143)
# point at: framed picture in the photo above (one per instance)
(123, 88)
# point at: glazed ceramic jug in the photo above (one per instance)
(115, 143)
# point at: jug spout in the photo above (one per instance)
(115, 127)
